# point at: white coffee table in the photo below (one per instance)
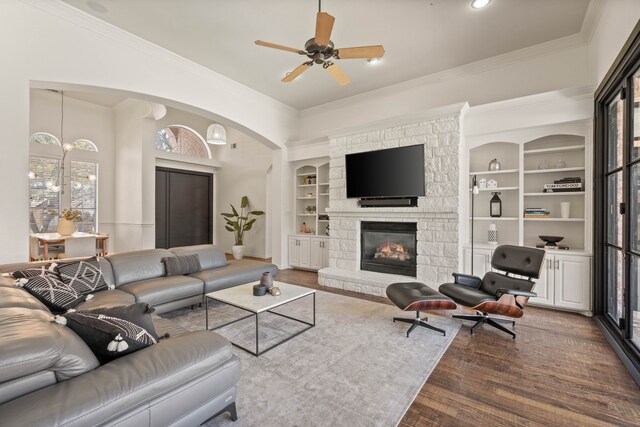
(242, 297)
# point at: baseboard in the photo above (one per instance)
(620, 350)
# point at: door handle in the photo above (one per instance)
(549, 264)
(557, 264)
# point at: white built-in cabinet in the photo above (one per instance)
(529, 159)
(311, 253)
(310, 250)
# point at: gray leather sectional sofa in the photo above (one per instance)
(49, 377)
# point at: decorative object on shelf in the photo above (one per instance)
(67, 223)
(323, 217)
(495, 205)
(267, 280)
(275, 291)
(492, 234)
(482, 183)
(536, 213)
(560, 164)
(216, 134)
(492, 183)
(240, 223)
(551, 242)
(565, 209)
(304, 229)
(310, 195)
(309, 180)
(326, 230)
(311, 209)
(259, 290)
(474, 191)
(494, 165)
(543, 165)
(564, 185)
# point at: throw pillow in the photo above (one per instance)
(84, 276)
(179, 265)
(113, 332)
(52, 292)
(43, 270)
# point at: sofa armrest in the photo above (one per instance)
(467, 280)
(127, 383)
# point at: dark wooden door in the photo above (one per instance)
(184, 208)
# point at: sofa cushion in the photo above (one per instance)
(182, 264)
(209, 255)
(106, 299)
(85, 276)
(40, 270)
(238, 272)
(164, 289)
(53, 293)
(129, 267)
(114, 332)
(17, 297)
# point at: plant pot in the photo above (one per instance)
(238, 251)
(66, 227)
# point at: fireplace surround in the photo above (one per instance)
(389, 247)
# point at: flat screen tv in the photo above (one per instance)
(396, 172)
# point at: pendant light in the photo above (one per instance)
(216, 134)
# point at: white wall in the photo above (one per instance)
(243, 173)
(82, 120)
(618, 19)
(49, 41)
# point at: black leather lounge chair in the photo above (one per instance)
(499, 293)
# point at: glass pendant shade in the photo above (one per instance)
(216, 134)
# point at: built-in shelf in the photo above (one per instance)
(490, 218)
(307, 174)
(556, 219)
(558, 170)
(555, 149)
(306, 198)
(323, 194)
(494, 172)
(306, 185)
(497, 189)
(324, 183)
(323, 220)
(305, 214)
(559, 193)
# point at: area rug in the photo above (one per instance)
(356, 367)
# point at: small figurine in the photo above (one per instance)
(482, 183)
(492, 183)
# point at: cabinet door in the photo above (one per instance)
(294, 252)
(573, 282)
(544, 285)
(481, 261)
(325, 253)
(317, 253)
(305, 252)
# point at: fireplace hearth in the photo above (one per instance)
(389, 247)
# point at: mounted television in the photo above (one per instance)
(392, 173)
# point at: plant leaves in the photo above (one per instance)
(236, 226)
(248, 225)
(229, 229)
(228, 215)
(243, 217)
(245, 202)
(257, 213)
(235, 212)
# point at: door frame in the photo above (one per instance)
(208, 175)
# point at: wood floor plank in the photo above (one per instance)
(559, 371)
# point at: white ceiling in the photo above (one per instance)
(420, 36)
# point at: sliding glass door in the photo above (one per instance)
(634, 212)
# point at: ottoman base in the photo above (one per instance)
(418, 322)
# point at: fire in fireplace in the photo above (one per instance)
(388, 247)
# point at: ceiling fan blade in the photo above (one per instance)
(376, 51)
(337, 73)
(295, 73)
(324, 25)
(279, 46)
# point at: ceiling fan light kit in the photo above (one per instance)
(479, 4)
(321, 50)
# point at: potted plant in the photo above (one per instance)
(67, 224)
(238, 224)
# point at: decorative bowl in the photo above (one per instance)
(551, 240)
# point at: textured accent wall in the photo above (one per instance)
(437, 213)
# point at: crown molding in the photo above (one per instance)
(591, 19)
(95, 25)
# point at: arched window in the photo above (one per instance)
(84, 144)
(182, 140)
(44, 139)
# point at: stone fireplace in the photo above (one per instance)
(388, 247)
(436, 219)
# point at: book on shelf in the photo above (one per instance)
(572, 179)
(537, 215)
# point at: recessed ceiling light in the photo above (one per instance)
(479, 4)
(97, 7)
(373, 60)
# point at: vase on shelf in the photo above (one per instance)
(66, 227)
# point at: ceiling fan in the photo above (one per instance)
(320, 50)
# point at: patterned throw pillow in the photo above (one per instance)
(53, 293)
(113, 332)
(184, 264)
(43, 270)
(84, 276)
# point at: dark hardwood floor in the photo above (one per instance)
(560, 371)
